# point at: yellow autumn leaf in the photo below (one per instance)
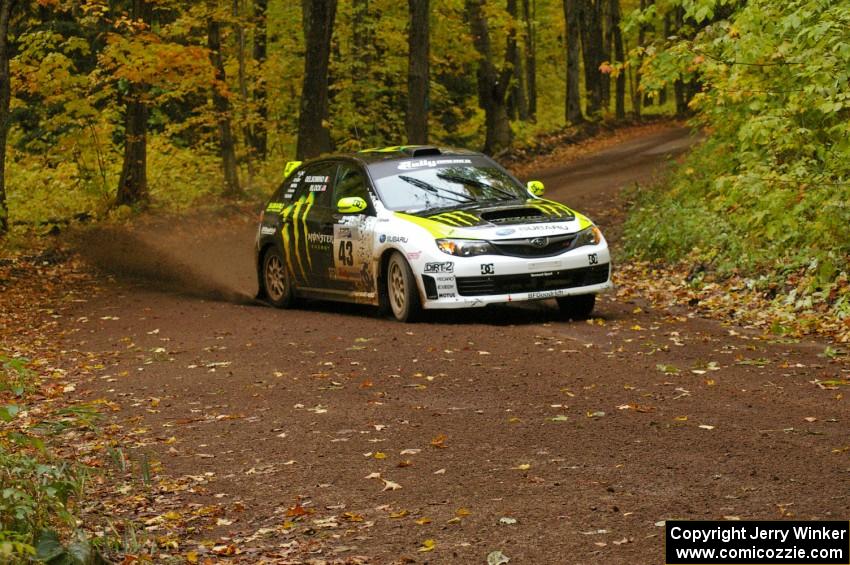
(428, 545)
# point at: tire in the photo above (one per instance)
(277, 281)
(402, 292)
(577, 307)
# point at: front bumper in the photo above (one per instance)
(489, 279)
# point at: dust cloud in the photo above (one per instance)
(204, 257)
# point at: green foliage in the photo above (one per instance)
(37, 490)
(768, 191)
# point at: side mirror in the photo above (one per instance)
(290, 166)
(351, 205)
(536, 188)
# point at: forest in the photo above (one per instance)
(162, 102)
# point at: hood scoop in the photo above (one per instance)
(514, 215)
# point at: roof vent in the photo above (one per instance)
(423, 151)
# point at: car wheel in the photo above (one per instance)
(277, 280)
(402, 293)
(577, 307)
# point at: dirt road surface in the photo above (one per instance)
(500, 429)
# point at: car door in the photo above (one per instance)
(311, 226)
(353, 234)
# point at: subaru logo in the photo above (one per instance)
(539, 242)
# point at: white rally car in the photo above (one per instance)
(419, 227)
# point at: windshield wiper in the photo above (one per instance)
(464, 180)
(436, 189)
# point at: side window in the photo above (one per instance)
(350, 182)
(318, 180)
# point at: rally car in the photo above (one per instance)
(418, 227)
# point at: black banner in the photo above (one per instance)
(757, 542)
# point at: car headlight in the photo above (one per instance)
(464, 247)
(589, 236)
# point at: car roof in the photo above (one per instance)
(398, 152)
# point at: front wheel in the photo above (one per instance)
(277, 280)
(577, 307)
(402, 293)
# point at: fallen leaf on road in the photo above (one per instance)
(439, 441)
(428, 545)
(389, 485)
(507, 521)
(706, 427)
(424, 520)
(497, 558)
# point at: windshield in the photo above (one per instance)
(414, 189)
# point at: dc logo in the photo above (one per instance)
(487, 269)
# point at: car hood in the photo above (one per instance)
(513, 219)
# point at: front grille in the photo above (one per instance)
(532, 282)
(546, 246)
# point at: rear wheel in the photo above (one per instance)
(577, 307)
(402, 293)
(277, 280)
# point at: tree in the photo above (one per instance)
(616, 38)
(517, 102)
(492, 83)
(221, 104)
(133, 183)
(313, 133)
(573, 112)
(418, 72)
(592, 50)
(529, 15)
(5, 98)
(259, 137)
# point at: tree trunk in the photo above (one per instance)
(221, 104)
(133, 182)
(619, 55)
(362, 32)
(573, 106)
(313, 135)
(592, 53)
(260, 137)
(5, 100)
(418, 72)
(492, 85)
(529, 14)
(517, 103)
(247, 127)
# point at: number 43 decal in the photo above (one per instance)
(345, 254)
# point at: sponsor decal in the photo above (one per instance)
(505, 231)
(267, 230)
(445, 287)
(314, 237)
(408, 165)
(384, 238)
(446, 295)
(414, 255)
(445, 279)
(488, 269)
(318, 179)
(543, 227)
(344, 232)
(546, 274)
(546, 294)
(318, 187)
(592, 259)
(447, 267)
